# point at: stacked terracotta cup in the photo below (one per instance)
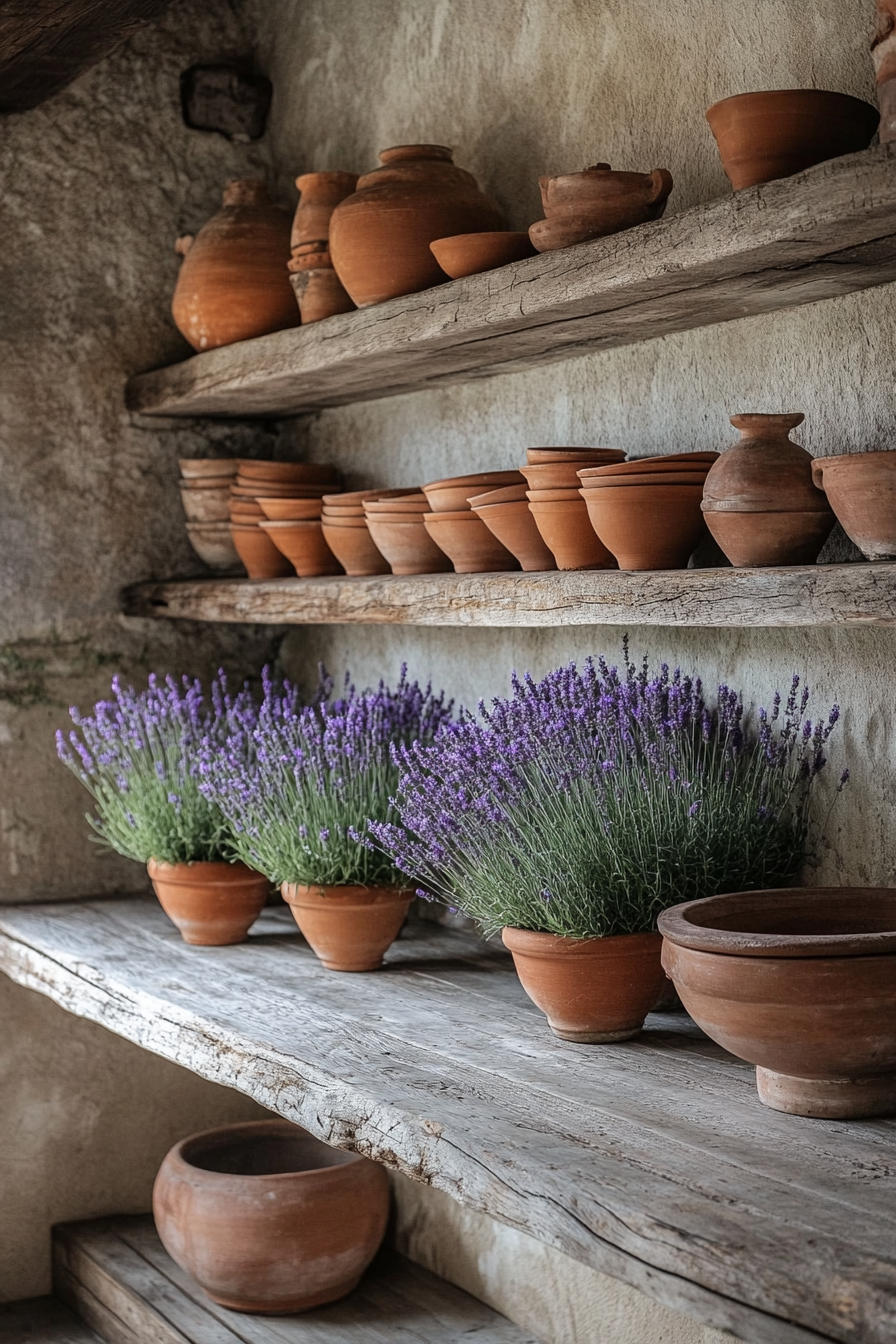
(557, 506)
(459, 531)
(506, 514)
(275, 518)
(397, 528)
(647, 511)
(205, 490)
(318, 289)
(346, 532)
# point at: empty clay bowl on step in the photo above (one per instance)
(567, 532)
(513, 525)
(648, 527)
(453, 494)
(471, 253)
(258, 553)
(468, 543)
(406, 544)
(304, 546)
(861, 489)
(762, 136)
(354, 548)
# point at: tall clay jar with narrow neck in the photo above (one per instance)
(380, 235)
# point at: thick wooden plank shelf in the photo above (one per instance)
(825, 232)
(42, 1320)
(117, 1275)
(830, 595)
(651, 1160)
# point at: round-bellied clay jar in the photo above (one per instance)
(268, 1219)
(380, 236)
(233, 283)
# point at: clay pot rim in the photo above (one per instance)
(679, 928)
(503, 506)
(672, 478)
(354, 524)
(185, 464)
(821, 464)
(278, 524)
(510, 477)
(505, 494)
(810, 95)
(225, 1135)
(398, 519)
(553, 494)
(347, 896)
(536, 943)
(669, 461)
(621, 492)
(222, 483)
(342, 498)
(573, 454)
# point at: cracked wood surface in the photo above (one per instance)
(830, 595)
(651, 1160)
(825, 232)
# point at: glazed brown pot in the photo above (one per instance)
(258, 553)
(212, 904)
(320, 294)
(802, 983)
(472, 253)
(206, 506)
(647, 526)
(380, 236)
(567, 532)
(762, 136)
(213, 543)
(454, 493)
(233, 284)
(590, 989)
(861, 488)
(348, 928)
(354, 548)
(304, 545)
(515, 528)
(268, 1219)
(406, 544)
(468, 543)
(597, 202)
(320, 193)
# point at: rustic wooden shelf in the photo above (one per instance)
(825, 232)
(832, 595)
(651, 1160)
(42, 1320)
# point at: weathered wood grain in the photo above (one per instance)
(42, 1320)
(831, 595)
(116, 1272)
(652, 1160)
(825, 232)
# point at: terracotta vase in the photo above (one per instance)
(212, 904)
(515, 528)
(567, 532)
(348, 928)
(258, 553)
(304, 545)
(802, 983)
(320, 193)
(597, 202)
(759, 500)
(233, 283)
(213, 543)
(591, 990)
(470, 546)
(861, 488)
(647, 527)
(883, 52)
(762, 136)
(472, 253)
(354, 547)
(268, 1219)
(319, 294)
(406, 544)
(380, 236)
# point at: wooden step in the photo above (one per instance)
(42, 1320)
(117, 1275)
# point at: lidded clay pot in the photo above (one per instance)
(380, 236)
(233, 283)
(597, 202)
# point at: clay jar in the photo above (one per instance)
(212, 904)
(268, 1219)
(233, 283)
(759, 500)
(597, 202)
(802, 983)
(348, 928)
(320, 193)
(591, 990)
(861, 488)
(380, 236)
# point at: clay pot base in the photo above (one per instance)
(827, 1098)
(292, 1307)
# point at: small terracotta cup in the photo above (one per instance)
(348, 928)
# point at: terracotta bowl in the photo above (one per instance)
(554, 475)
(258, 553)
(268, 1219)
(633, 478)
(407, 545)
(648, 527)
(453, 494)
(505, 494)
(271, 490)
(353, 520)
(516, 529)
(196, 468)
(289, 510)
(201, 483)
(355, 498)
(639, 465)
(861, 489)
(802, 983)
(304, 546)
(213, 543)
(468, 543)
(584, 456)
(410, 504)
(355, 549)
(762, 136)
(567, 532)
(471, 253)
(206, 506)
(758, 540)
(289, 473)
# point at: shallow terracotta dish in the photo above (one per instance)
(211, 904)
(213, 544)
(206, 506)
(407, 545)
(472, 253)
(258, 553)
(513, 525)
(802, 983)
(648, 527)
(304, 546)
(453, 494)
(567, 532)
(762, 136)
(195, 468)
(354, 548)
(268, 1219)
(861, 489)
(585, 456)
(468, 543)
(348, 928)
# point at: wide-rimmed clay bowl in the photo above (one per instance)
(567, 532)
(472, 253)
(406, 544)
(354, 547)
(861, 489)
(646, 526)
(454, 493)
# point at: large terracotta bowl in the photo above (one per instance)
(861, 489)
(406, 544)
(802, 983)
(646, 526)
(268, 1219)
(472, 253)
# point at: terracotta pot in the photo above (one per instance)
(454, 493)
(319, 293)
(555, 475)
(355, 549)
(288, 473)
(648, 527)
(407, 545)
(206, 506)
(569, 536)
(348, 928)
(258, 553)
(197, 468)
(590, 989)
(304, 546)
(597, 202)
(883, 52)
(472, 253)
(761, 540)
(212, 904)
(380, 236)
(468, 543)
(213, 543)
(585, 456)
(762, 136)
(268, 1219)
(233, 283)
(861, 487)
(289, 510)
(802, 983)
(349, 498)
(320, 193)
(515, 528)
(247, 513)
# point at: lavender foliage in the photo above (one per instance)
(299, 786)
(588, 802)
(138, 757)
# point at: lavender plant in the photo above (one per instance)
(590, 801)
(138, 757)
(299, 812)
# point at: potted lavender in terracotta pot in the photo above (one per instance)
(138, 757)
(571, 814)
(299, 812)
